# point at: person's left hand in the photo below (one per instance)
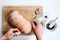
(12, 33)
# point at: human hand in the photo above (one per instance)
(37, 29)
(11, 33)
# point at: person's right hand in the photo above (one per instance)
(37, 29)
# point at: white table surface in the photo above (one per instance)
(52, 7)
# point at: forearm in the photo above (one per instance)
(38, 35)
(4, 38)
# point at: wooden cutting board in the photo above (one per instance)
(28, 12)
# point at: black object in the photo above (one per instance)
(52, 28)
(35, 23)
(15, 31)
(45, 16)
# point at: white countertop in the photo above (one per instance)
(52, 7)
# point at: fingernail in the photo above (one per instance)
(19, 33)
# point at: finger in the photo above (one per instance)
(33, 26)
(17, 33)
(15, 30)
(37, 22)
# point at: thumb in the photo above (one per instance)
(33, 26)
(17, 33)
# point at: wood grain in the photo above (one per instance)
(28, 12)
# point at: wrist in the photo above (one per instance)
(5, 38)
(38, 36)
